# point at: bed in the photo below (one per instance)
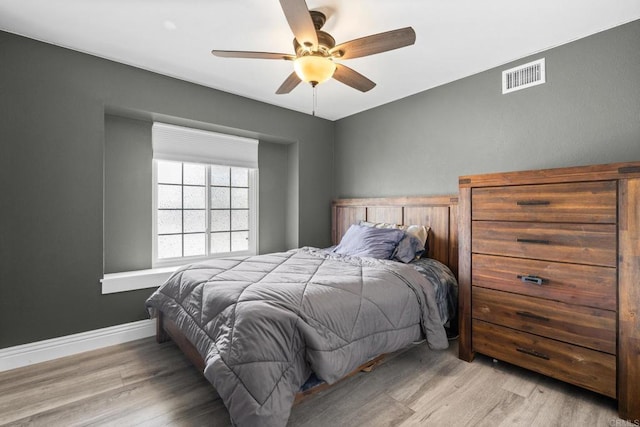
(269, 329)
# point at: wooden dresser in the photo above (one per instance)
(549, 272)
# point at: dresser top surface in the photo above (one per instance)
(557, 175)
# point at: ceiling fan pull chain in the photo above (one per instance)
(315, 99)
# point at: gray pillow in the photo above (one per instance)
(370, 242)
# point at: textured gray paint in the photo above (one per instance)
(52, 115)
(127, 194)
(588, 112)
(274, 176)
(292, 239)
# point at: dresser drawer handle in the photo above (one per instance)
(531, 279)
(532, 316)
(535, 241)
(533, 203)
(533, 353)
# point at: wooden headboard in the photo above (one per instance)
(438, 212)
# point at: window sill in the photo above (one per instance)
(132, 280)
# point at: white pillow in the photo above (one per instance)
(420, 231)
(379, 224)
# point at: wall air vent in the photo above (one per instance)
(523, 76)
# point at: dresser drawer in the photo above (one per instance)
(593, 244)
(584, 326)
(586, 368)
(579, 284)
(585, 202)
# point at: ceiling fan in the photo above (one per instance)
(316, 50)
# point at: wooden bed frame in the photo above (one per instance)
(440, 213)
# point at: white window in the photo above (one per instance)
(201, 210)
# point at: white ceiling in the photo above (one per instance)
(455, 39)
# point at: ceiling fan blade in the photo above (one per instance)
(352, 78)
(299, 19)
(254, 55)
(289, 84)
(376, 43)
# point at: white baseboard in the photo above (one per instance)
(42, 351)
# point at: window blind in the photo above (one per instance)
(183, 144)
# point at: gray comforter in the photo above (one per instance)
(264, 323)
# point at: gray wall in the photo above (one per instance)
(128, 191)
(588, 112)
(57, 108)
(53, 107)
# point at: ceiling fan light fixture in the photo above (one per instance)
(314, 69)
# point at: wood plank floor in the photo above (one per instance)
(147, 384)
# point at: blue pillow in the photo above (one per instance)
(370, 242)
(409, 248)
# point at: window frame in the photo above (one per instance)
(253, 183)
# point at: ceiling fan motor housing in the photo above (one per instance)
(325, 43)
(318, 18)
